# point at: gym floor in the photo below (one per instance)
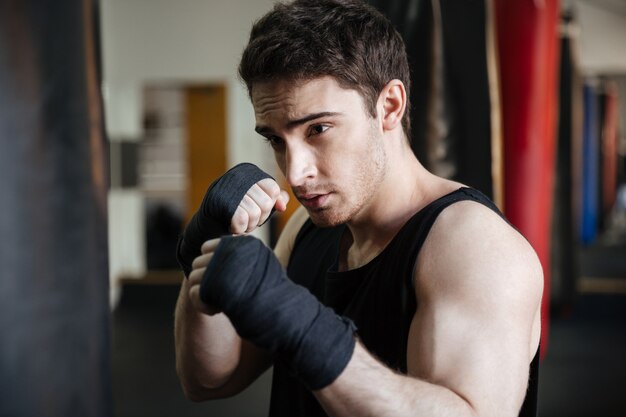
(583, 373)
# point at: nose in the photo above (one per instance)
(300, 165)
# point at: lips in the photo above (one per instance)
(313, 201)
(309, 196)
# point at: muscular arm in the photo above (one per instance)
(475, 332)
(212, 361)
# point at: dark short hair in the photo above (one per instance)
(346, 39)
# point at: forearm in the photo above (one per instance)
(207, 347)
(212, 360)
(368, 388)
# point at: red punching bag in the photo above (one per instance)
(527, 36)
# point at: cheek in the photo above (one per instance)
(340, 156)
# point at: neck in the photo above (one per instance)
(405, 189)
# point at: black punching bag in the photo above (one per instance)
(465, 146)
(414, 21)
(564, 269)
(54, 321)
(454, 109)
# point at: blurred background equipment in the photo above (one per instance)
(521, 99)
(55, 322)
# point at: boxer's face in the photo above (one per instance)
(326, 144)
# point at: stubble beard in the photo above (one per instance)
(369, 177)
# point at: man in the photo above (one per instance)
(435, 298)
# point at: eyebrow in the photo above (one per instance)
(296, 122)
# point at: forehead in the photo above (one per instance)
(294, 99)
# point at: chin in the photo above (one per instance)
(324, 218)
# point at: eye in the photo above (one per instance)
(274, 141)
(318, 129)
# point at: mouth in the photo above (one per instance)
(313, 201)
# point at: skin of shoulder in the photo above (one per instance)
(479, 284)
(287, 238)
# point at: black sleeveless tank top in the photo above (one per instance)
(379, 298)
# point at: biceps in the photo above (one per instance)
(475, 355)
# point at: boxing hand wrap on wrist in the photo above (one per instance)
(216, 211)
(245, 280)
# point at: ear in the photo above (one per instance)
(391, 104)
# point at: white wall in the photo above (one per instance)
(151, 41)
(183, 40)
(602, 36)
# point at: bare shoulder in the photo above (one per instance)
(287, 238)
(471, 253)
(475, 260)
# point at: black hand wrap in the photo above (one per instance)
(245, 280)
(213, 218)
